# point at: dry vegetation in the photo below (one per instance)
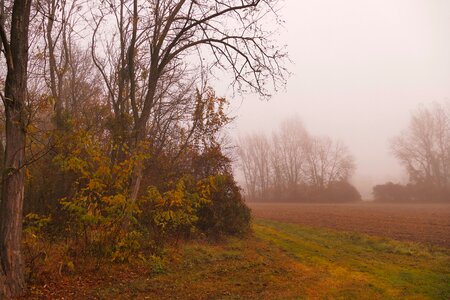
(280, 261)
(425, 223)
(105, 106)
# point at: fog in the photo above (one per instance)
(359, 69)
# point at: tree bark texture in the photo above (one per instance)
(12, 282)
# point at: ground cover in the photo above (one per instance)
(278, 261)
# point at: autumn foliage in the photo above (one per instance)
(79, 193)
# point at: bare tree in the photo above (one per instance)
(15, 49)
(295, 165)
(424, 147)
(59, 54)
(153, 39)
(327, 161)
(254, 152)
(288, 153)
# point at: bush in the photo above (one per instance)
(342, 191)
(334, 192)
(99, 209)
(173, 212)
(391, 192)
(227, 213)
(410, 193)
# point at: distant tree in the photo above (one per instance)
(424, 150)
(340, 191)
(327, 161)
(288, 155)
(294, 166)
(254, 153)
(391, 192)
(57, 18)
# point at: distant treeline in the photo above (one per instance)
(424, 150)
(334, 192)
(398, 193)
(294, 166)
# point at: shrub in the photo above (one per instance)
(410, 193)
(391, 192)
(342, 191)
(174, 212)
(226, 213)
(99, 204)
(34, 242)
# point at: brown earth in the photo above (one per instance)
(423, 223)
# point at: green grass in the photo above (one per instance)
(355, 266)
(280, 261)
(237, 269)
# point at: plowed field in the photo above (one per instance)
(426, 224)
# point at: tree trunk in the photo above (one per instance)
(12, 282)
(11, 206)
(139, 133)
(136, 180)
(55, 79)
(138, 170)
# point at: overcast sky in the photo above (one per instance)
(360, 68)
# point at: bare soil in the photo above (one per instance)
(424, 223)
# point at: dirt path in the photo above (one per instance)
(428, 224)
